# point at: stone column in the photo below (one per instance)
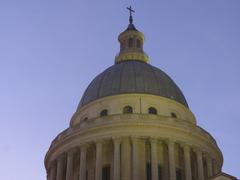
(83, 158)
(53, 171)
(60, 168)
(209, 167)
(135, 160)
(116, 159)
(69, 173)
(215, 168)
(187, 162)
(171, 159)
(98, 170)
(154, 159)
(126, 159)
(200, 165)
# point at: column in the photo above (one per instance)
(171, 159)
(215, 168)
(69, 173)
(200, 165)
(116, 159)
(209, 167)
(83, 158)
(60, 168)
(53, 171)
(126, 159)
(187, 162)
(98, 170)
(154, 159)
(135, 160)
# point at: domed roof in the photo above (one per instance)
(132, 77)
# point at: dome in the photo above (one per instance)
(132, 77)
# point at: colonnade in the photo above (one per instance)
(129, 161)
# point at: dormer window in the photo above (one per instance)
(127, 110)
(173, 115)
(104, 112)
(152, 110)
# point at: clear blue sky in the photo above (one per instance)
(50, 50)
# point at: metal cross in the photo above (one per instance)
(130, 11)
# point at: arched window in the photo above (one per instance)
(130, 42)
(85, 119)
(152, 110)
(104, 112)
(122, 45)
(173, 115)
(127, 109)
(138, 43)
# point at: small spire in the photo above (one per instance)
(130, 12)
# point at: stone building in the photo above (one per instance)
(133, 123)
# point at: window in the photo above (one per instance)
(127, 109)
(159, 172)
(104, 112)
(130, 42)
(138, 43)
(178, 174)
(122, 45)
(106, 173)
(152, 110)
(85, 119)
(173, 115)
(149, 171)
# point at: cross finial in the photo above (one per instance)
(130, 12)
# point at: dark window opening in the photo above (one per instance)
(85, 119)
(152, 110)
(178, 174)
(159, 172)
(138, 43)
(127, 109)
(106, 173)
(104, 112)
(122, 45)
(130, 42)
(149, 171)
(173, 115)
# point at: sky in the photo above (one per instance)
(50, 50)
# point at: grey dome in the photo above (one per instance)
(132, 77)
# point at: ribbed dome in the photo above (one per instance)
(132, 77)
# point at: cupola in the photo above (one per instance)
(131, 43)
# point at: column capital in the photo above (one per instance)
(117, 139)
(135, 139)
(99, 142)
(72, 151)
(153, 140)
(84, 146)
(52, 164)
(186, 147)
(61, 156)
(170, 142)
(197, 150)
